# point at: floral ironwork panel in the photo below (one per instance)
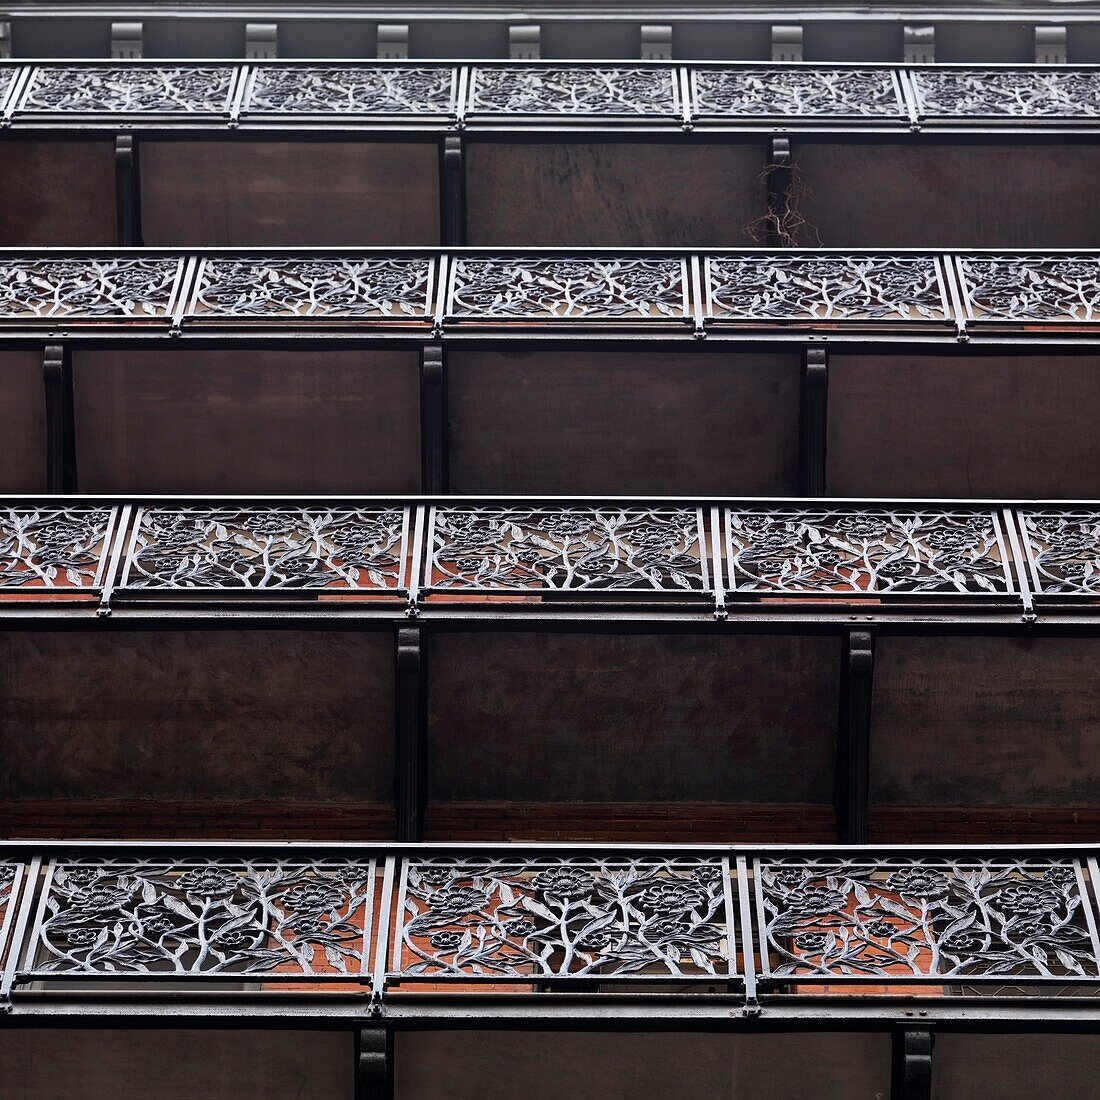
(897, 918)
(10, 874)
(273, 288)
(573, 90)
(567, 549)
(568, 288)
(88, 288)
(865, 552)
(797, 93)
(350, 90)
(283, 918)
(129, 89)
(810, 288)
(1032, 288)
(548, 917)
(53, 548)
(267, 548)
(1043, 92)
(1063, 551)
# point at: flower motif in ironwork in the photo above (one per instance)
(564, 919)
(573, 90)
(873, 552)
(568, 549)
(798, 92)
(350, 90)
(881, 919)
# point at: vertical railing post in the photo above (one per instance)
(60, 427)
(127, 191)
(433, 420)
(410, 747)
(779, 194)
(911, 1077)
(812, 422)
(854, 737)
(453, 191)
(373, 1064)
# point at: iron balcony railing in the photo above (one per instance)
(751, 922)
(491, 95)
(524, 555)
(661, 292)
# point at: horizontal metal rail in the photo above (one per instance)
(526, 555)
(426, 920)
(428, 293)
(498, 94)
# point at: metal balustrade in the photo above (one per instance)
(525, 555)
(427, 293)
(494, 95)
(425, 920)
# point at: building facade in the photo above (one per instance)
(552, 552)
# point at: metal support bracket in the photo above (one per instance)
(128, 191)
(453, 190)
(787, 42)
(854, 737)
(372, 1064)
(779, 193)
(127, 41)
(410, 749)
(261, 41)
(919, 45)
(60, 425)
(1051, 46)
(656, 42)
(524, 42)
(393, 41)
(433, 421)
(812, 422)
(912, 1064)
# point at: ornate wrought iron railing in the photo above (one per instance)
(421, 919)
(527, 554)
(427, 94)
(433, 292)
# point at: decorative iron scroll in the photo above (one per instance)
(1031, 288)
(567, 549)
(573, 90)
(552, 917)
(797, 93)
(267, 548)
(279, 287)
(88, 288)
(1063, 551)
(350, 90)
(129, 89)
(1047, 91)
(9, 877)
(568, 288)
(900, 918)
(865, 552)
(811, 288)
(283, 918)
(53, 548)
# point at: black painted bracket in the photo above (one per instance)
(373, 1080)
(779, 193)
(813, 412)
(57, 378)
(433, 420)
(912, 1064)
(854, 737)
(453, 190)
(128, 191)
(410, 749)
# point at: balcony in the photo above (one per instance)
(791, 670)
(131, 152)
